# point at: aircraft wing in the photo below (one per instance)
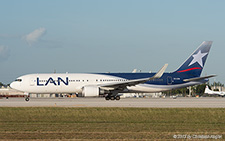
(199, 78)
(124, 84)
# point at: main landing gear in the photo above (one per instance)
(112, 97)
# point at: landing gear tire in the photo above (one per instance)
(107, 98)
(27, 99)
(112, 98)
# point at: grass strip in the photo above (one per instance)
(109, 123)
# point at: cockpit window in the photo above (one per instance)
(19, 80)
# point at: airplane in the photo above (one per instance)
(210, 92)
(111, 84)
(8, 92)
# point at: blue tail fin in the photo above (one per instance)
(194, 64)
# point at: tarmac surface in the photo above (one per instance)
(180, 102)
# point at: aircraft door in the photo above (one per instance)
(169, 80)
(32, 81)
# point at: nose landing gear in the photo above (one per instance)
(27, 96)
(27, 99)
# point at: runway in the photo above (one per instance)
(180, 102)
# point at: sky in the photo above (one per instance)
(108, 35)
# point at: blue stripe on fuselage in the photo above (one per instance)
(167, 78)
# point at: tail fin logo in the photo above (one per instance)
(198, 58)
(195, 62)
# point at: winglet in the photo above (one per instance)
(160, 72)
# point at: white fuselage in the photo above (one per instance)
(74, 83)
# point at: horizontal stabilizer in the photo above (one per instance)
(199, 78)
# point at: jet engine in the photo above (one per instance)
(92, 90)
